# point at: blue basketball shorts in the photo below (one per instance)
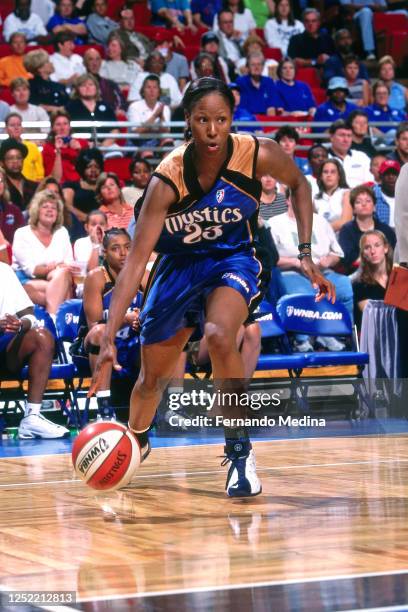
(5, 340)
(179, 286)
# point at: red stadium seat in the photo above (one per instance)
(5, 95)
(189, 51)
(272, 53)
(119, 166)
(260, 33)
(6, 7)
(309, 76)
(80, 49)
(390, 22)
(320, 95)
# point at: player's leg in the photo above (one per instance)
(226, 312)
(158, 363)
(37, 348)
(250, 348)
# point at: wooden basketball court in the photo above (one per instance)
(329, 531)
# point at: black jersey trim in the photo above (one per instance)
(255, 160)
(252, 187)
(168, 182)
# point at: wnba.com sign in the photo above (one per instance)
(291, 311)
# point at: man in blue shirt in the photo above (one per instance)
(64, 21)
(172, 13)
(335, 64)
(258, 93)
(336, 107)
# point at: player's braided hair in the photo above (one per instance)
(200, 88)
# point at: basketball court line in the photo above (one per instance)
(212, 472)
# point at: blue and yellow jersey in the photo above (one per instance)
(217, 221)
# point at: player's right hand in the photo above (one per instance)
(107, 360)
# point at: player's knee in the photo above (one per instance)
(219, 339)
(148, 385)
(43, 339)
(96, 333)
(252, 335)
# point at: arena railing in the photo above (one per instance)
(100, 130)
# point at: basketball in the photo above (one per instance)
(106, 455)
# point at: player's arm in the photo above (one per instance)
(92, 298)
(274, 161)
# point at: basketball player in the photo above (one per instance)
(195, 215)
(98, 287)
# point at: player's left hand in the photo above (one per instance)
(320, 282)
(10, 324)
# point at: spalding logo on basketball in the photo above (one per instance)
(106, 455)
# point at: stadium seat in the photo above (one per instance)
(118, 165)
(389, 22)
(60, 370)
(309, 76)
(272, 53)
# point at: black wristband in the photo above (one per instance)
(305, 245)
(303, 255)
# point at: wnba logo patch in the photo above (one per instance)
(219, 196)
(289, 311)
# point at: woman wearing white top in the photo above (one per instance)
(244, 22)
(42, 253)
(279, 30)
(149, 113)
(333, 198)
(117, 67)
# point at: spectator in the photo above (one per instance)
(12, 66)
(401, 144)
(170, 91)
(109, 195)
(230, 48)
(175, 14)
(362, 201)
(355, 163)
(99, 26)
(23, 341)
(11, 217)
(21, 189)
(204, 12)
(288, 137)
(357, 121)
(311, 47)
(244, 22)
(316, 155)
(375, 165)
(385, 192)
(4, 110)
(24, 21)
(176, 64)
(272, 202)
(258, 93)
(44, 92)
(261, 10)
(64, 21)
(61, 150)
(279, 30)
(87, 105)
(359, 89)
(20, 90)
(89, 248)
(137, 45)
(363, 15)
(376, 257)
(255, 44)
(33, 168)
(42, 253)
(110, 91)
(335, 64)
(210, 44)
(295, 97)
(381, 111)
(332, 200)
(204, 66)
(326, 253)
(240, 113)
(118, 67)
(398, 97)
(149, 113)
(67, 64)
(140, 173)
(336, 107)
(49, 183)
(80, 196)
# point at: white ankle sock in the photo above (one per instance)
(31, 408)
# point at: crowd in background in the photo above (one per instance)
(69, 61)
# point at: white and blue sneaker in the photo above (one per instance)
(37, 426)
(242, 480)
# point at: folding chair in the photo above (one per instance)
(301, 314)
(60, 370)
